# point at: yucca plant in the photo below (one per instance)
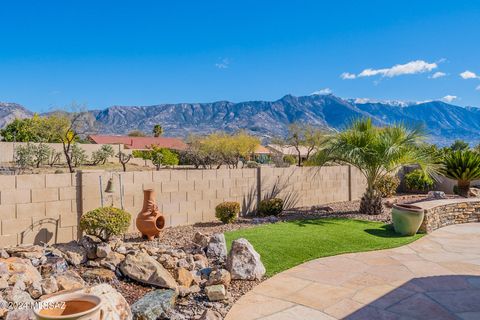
(463, 166)
(378, 152)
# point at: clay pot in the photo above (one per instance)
(407, 218)
(150, 221)
(70, 306)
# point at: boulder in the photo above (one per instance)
(114, 306)
(201, 240)
(474, 192)
(49, 285)
(111, 261)
(154, 305)
(21, 314)
(184, 277)
(3, 283)
(221, 276)
(211, 315)
(217, 247)
(167, 261)
(200, 261)
(143, 268)
(35, 289)
(244, 262)
(53, 265)
(74, 253)
(4, 254)
(99, 274)
(20, 267)
(69, 280)
(103, 249)
(436, 195)
(26, 252)
(90, 245)
(216, 292)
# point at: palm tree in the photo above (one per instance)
(463, 166)
(157, 130)
(377, 152)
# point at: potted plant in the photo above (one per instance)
(407, 218)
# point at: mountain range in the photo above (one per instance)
(444, 122)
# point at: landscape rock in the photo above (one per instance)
(3, 283)
(143, 268)
(90, 245)
(21, 314)
(216, 292)
(474, 192)
(205, 273)
(26, 252)
(20, 267)
(35, 289)
(111, 261)
(18, 296)
(200, 261)
(154, 305)
(183, 263)
(99, 274)
(201, 240)
(167, 261)
(52, 265)
(69, 280)
(211, 315)
(217, 247)
(436, 195)
(74, 253)
(103, 249)
(49, 285)
(244, 262)
(114, 306)
(221, 276)
(4, 254)
(184, 277)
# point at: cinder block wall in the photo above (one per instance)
(47, 207)
(38, 208)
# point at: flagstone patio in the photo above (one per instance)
(436, 277)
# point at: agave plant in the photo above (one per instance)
(378, 152)
(463, 166)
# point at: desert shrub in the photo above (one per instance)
(252, 164)
(387, 185)
(270, 207)
(79, 156)
(163, 156)
(58, 171)
(418, 180)
(105, 222)
(101, 156)
(291, 160)
(25, 156)
(42, 154)
(227, 212)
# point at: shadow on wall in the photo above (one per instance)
(40, 232)
(439, 297)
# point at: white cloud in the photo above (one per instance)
(469, 75)
(477, 88)
(438, 74)
(347, 76)
(412, 67)
(449, 98)
(223, 64)
(322, 92)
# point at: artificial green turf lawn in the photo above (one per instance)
(284, 245)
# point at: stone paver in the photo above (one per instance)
(436, 277)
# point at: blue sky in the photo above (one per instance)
(102, 53)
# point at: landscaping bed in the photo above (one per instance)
(179, 269)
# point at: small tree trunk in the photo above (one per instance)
(299, 159)
(463, 188)
(371, 202)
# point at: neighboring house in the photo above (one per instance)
(261, 154)
(288, 150)
(139, 143)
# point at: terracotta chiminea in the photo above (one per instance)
(150, 221)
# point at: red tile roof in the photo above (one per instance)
(140, 142)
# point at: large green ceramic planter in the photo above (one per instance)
(407, 218)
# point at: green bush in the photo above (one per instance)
(387, 185)
(270, 207)
(418, 180)
(252, 164)
(105, 222)
(101, 156)
(291, 160)
(227, 212)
